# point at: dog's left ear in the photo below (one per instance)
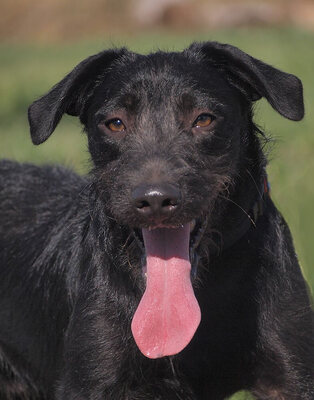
(256, 79)
(69, 95)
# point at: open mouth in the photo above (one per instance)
(168, 314)
(197, 228)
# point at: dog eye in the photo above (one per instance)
(203, 121)
(115, 125)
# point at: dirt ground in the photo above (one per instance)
(59, 20)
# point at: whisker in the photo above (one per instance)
(254, 181)
(127, 240)
(241, 208)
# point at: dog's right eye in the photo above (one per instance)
(115, 125)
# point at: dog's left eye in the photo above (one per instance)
(115, 125)
(203, 121)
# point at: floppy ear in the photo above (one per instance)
(69, 95)
(256, 79)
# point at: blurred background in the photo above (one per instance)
(42, 40)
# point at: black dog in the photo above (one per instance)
(167, 273)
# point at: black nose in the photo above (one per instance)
(159, 200)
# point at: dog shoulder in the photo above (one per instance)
(24, 175)
(33, 195)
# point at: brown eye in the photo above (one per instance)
(203, 121)
(115, 125)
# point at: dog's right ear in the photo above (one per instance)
(69, 95)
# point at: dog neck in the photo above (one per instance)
(242, 211)
(228, 237)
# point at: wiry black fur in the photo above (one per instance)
(70, 267)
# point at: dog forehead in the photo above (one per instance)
(164, 78)
(161, 70)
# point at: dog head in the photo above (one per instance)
(170, 134)
(166, 131)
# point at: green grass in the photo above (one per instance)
(27, 71)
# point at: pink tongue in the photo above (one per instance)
(168, 314)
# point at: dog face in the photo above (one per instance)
(175, 124)
(167, 129)
(169, 134)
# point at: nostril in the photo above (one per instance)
(142, 204)
(169, 203)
